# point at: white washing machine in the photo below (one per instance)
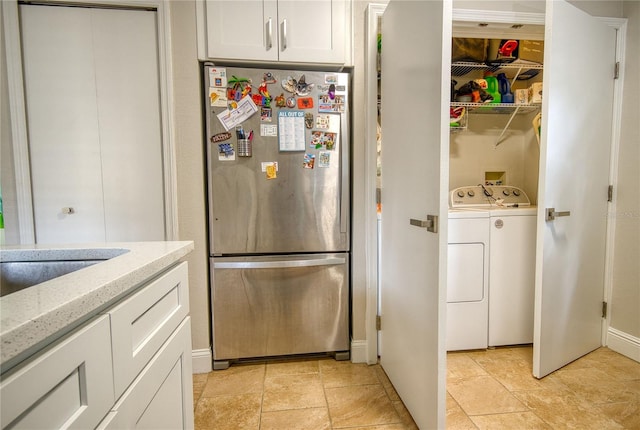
(512, 243)
(467, 279)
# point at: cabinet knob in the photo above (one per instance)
(68, 211)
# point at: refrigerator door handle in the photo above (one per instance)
(332, 261)
(344, 190)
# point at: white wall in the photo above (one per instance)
(474, 152)
(189, 144)
(625, 302)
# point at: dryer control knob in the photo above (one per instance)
(516, 193)
(471, 193)
(506, 192)
(460, 193)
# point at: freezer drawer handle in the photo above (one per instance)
(551, 214)
(279, 264)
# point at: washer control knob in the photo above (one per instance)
(516, 193)
(460, 193)
(471, 193)
(506, 192)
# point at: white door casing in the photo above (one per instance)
(574, 176)
(415, 157)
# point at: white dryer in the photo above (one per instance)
(511, 245)
(467, 279)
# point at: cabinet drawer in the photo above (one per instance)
(66, 386)
(162, 394)
(144, 321)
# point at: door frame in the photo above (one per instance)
(374, 11)
(17, 105)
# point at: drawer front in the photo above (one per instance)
(144, 321)
(68, 385)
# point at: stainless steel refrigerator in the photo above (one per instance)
(279, 209)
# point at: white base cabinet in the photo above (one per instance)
(128, 368)
(70, 385)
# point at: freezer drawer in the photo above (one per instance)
(279, 305)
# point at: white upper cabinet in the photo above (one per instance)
(309, 31)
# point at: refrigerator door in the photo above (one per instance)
(291, 194)
(270, 306)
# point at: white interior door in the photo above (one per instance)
(64, 144)
(93, 110)
(574, 171)
(416, 50)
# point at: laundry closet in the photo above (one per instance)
(495, 114)
(566, 179)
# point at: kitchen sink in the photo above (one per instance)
(26, 272)
(17, 275)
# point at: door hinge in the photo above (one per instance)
(378, 322)
(604, 309)
(610, 193)
(616, 71)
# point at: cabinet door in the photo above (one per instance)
(68, 386)
(161, 397)
(242, 29)
(312, 31)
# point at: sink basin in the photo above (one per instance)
(20, 269)
(17, 275)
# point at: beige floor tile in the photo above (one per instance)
(613, 364)
(514, 420)
(297, 419)
(386, 383)
(516, 375)
(353, 374)
(481, 395)
(235, 380)
(199, 382)
(228, 412)
(360, 405)
(596, 386)
(625, 414)
(561, 408)
(456, 418)
(381, 427)
(524, 353)
(405, 416)
(293, 367)
(461, 365)
(293, 392)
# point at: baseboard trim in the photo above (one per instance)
(624, 343)
(358, 351)
(202, 360)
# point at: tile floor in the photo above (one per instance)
(494, 389)
(313, 394)
(490, 389)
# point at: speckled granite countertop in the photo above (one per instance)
(33, 317)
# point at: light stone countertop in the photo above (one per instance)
(35, 316)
